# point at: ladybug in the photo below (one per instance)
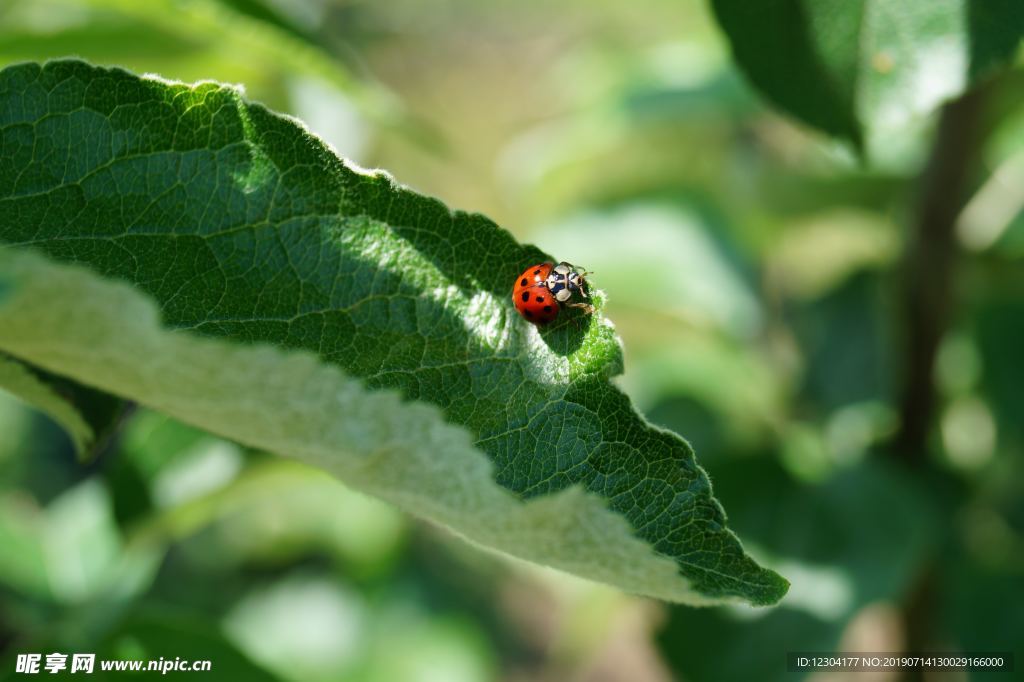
(541, 291)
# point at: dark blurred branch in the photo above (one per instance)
(927, 303)
(929, 265)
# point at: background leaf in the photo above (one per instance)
(16, 378)
(152, 636)
(848, 555)
(243, 227)
(851, 67)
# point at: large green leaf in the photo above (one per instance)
(850, 67)
(243, 227)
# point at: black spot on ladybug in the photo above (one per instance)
(540, 299)
(547, 309)
(537, 271)
(524, 282)
(529, 313)
(526, 295)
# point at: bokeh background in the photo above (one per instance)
(754, 269)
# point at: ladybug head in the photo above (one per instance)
(564, 281)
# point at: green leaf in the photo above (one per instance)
(71, 551)
(854, 67)
(290, 403)
(19, 380)
(695, 643)
(23, 563)
(848, 554)
(151, 634)
(89, 417)
(243, 227)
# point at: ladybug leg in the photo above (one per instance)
(583, 282)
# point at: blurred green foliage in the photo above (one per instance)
(855, 68)
(752, 268)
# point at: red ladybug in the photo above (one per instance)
(541, 291)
